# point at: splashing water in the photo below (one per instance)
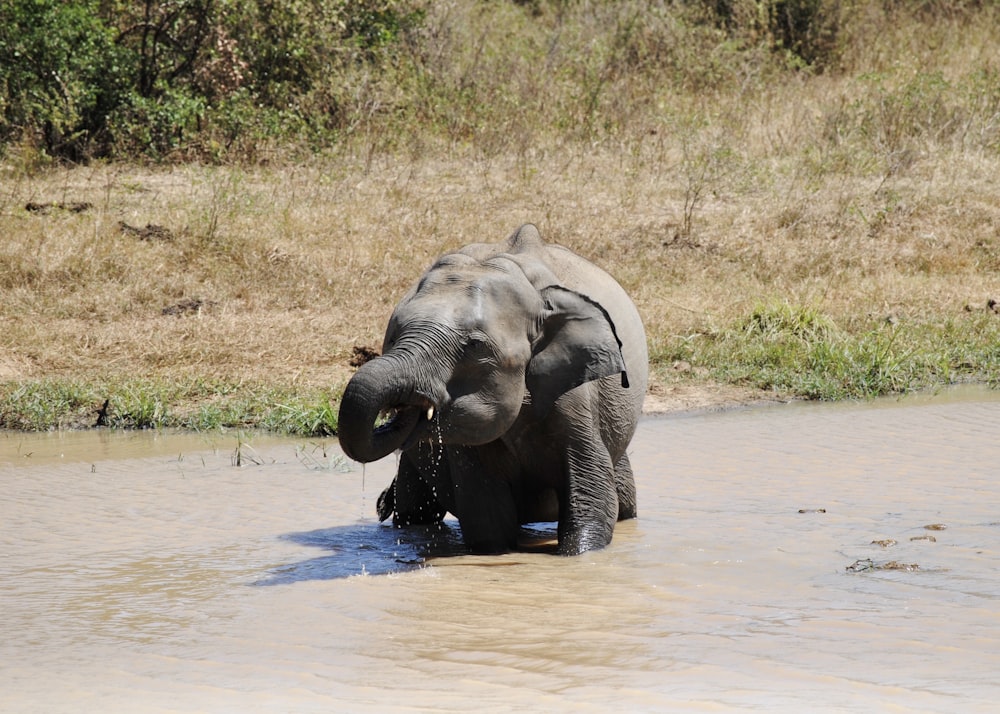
(440, 454)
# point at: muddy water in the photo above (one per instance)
(149, 573)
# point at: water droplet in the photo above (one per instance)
(440, 445)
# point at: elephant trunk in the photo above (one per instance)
(380, 388)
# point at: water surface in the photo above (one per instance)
(148, 572)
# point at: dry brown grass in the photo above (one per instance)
(297, 265)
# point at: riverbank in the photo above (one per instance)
(211, 297)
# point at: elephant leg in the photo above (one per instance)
(625, 487)
(588, 507)
(484, 501)
(409, 499)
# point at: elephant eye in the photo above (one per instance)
(478, 349)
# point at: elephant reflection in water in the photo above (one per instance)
(514, 376)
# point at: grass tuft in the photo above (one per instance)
(797, 351)
(143, 404)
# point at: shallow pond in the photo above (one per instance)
(794, 558)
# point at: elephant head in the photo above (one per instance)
(477, 340)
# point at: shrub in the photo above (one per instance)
(83, 78)
(219, 79)
(61, 73)
(807, 30)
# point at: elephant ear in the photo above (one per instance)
(577, 344)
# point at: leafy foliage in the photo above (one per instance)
(61, 73)
(86, 78)
(223, 79)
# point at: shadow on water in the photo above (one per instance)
(382, 549)
(366, 549)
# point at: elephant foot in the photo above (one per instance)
(625, 488)
(580, 532)
(589, 501)
(413, 509)
(385, 506)
(581, 540)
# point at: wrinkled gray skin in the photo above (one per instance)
(514, 374)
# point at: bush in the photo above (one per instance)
(61, 74)
(85, 78)
(220, 79)
(807, 30)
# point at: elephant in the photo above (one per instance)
(511, 379)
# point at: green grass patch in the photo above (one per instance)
(200, 405)
(798, 351)
(44, 405)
